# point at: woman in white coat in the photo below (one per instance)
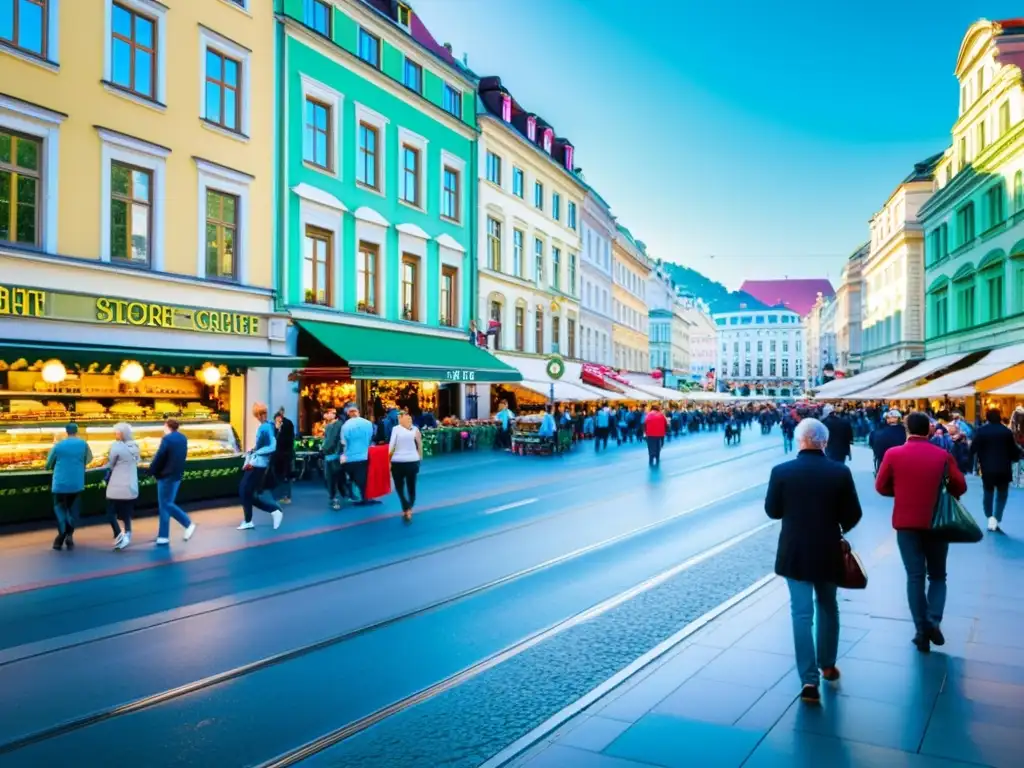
(122, 483)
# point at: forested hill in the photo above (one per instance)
(718, 297)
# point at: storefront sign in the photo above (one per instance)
(16, 301)
(460, 375)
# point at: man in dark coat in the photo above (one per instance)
(997, 452)
(840, 434)
(887, 436)
(816, 500)
(284, 456)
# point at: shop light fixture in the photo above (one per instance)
(54, 372)
(210, 375)
(131, 372)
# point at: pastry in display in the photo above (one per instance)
(53, 405)
(197, 409)
(127, 409)
(90, 408)
(165, 407)
(26, 407)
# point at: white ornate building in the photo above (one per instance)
(761, 350)
(596, 292)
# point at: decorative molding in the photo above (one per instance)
(318, 196)
(371, 216)
(447, 241)
(412, 230)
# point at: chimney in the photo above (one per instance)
(448, 47)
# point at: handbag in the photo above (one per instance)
(854, 576)
(950, 521)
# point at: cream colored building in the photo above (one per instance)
(892, 274)
(631, 268)
(848, 313)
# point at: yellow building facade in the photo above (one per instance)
(630, 269)
(137, 191)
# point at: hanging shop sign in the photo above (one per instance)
(33, 303)
(555, 367)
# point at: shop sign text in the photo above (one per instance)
(22, 302)
(460, 375)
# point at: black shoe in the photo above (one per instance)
(922, 642)
(810, 694)
(69, 541)
(58, 543)
(936, 636)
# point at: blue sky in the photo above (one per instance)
(742, 140)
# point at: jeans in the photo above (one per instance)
(1001, 492)
(65, 509)
(120, 508)
(801, 600)
(335, 477)
(250, 489)
(924, 554)
(404, 474)
(787, 443)
(356, 472)
(654, 450)
(166, 492)
(600, 438)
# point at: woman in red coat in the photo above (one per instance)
(655, 426)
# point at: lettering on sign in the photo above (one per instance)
(460, 375)
(22, 302)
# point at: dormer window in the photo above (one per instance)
(569, 151)
(531, 128)
(506, 108)
(404, 15)
(548, 137)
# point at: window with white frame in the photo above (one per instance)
(452, 101)
(223, 222)
(224, 85)
(413, 170)
(133, 200)
(453, 172)
(135, 51)
(371, 141)
(29, 29)
(322, 127)
(29, 173)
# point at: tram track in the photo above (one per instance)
(10, 656)
(179, 692)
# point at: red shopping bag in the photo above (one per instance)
(378, 472)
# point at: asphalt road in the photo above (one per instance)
(523, 584)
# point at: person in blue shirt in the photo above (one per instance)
(68, 461)
(547, 426)
(168, 467)
(356, 436)
(506, 417)
(255, 472)
(602, 427)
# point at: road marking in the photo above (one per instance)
(328, 740)
(513, 505)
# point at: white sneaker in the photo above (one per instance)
(189, 531)
(277, 516)
(993, 524)
(118, 540)
(123, 541)
(245, 526)
(163, 541)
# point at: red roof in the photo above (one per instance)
(797, 295)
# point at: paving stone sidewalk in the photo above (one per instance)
(727, 695)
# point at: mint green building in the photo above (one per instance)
(376, 195)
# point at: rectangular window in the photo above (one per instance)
(130, 214)
(133, 52)
(965, 307)
(538, 260)
(494, 244)
(571, 346)
(572, 215)
(994, 204)
(1004, 118)
(404, 15)
(771, 368)
(518, 182)
(520, 328)
(221, 235)
(410, 288)
(965, 223)
(452, 101)
(994, 286)
(366, 169)
(572, 274)
(539, 332)
(449, 296)
(411, 175)
(785, 367)
(317, 273)
(316, 14)
(785, 347)
(23, 25)
(369, 48)
(556, 206)
(556, 268)
(366, 278)
(450, 195)
(223, 84)
(556, 334)
(316, 140)
(941, 315)
(493, 168)
(517, 252)
(982, 137)
(538, 195)
(412, 76)
(20, 178)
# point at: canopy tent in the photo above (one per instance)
(653, 386)
(1010, 390)
(840, 388)
(961, 383)
(565, 391)
(892, 387)
(534, 370)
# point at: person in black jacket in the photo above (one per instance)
(284, 456)
(840, 434)
(887, 436)
(816, 500)
(997, 452)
